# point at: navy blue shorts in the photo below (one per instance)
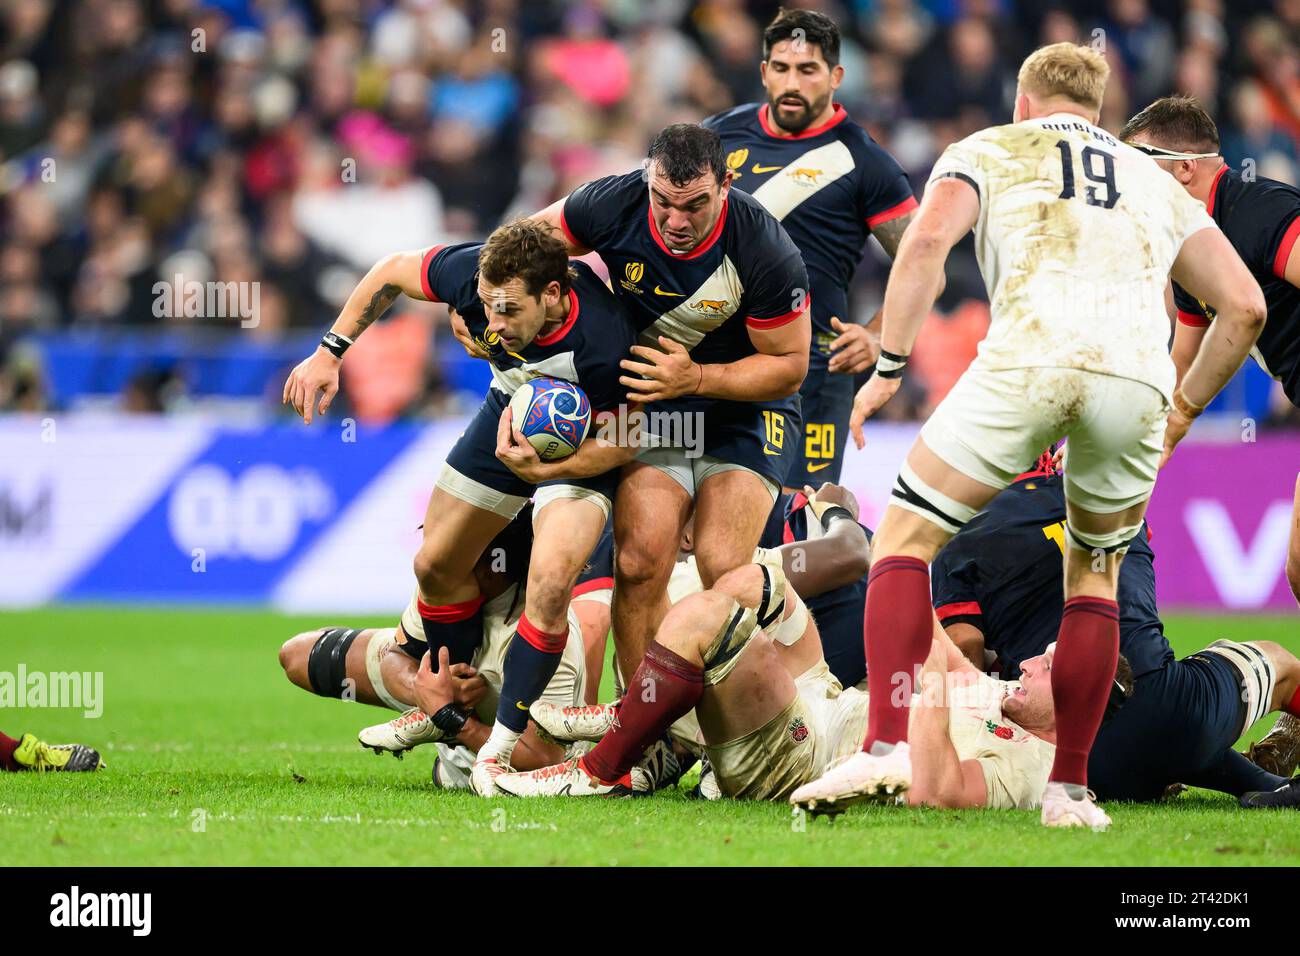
(473, 457)
(752, 435)
(1176, 728)
(816, 453)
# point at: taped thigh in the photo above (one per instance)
(912, 494)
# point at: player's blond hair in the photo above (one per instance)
(1077, 73)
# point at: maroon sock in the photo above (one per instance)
(1083, 668)
(663, 688)
(7, 747)
(898, 627)
(1293, 708)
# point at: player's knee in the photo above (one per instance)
(639, 564)
(293, 657)
(713, 563)
(431, 570)
(744, 584)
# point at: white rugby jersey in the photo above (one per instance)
(1015, 763)
(1075, 238)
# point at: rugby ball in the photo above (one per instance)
(554, 415)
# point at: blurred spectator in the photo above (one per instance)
(286, 146)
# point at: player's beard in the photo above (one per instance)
(803, 120)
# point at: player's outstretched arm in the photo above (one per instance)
(838, 558)
(940, 778)
(1210, 269)
(317, 376)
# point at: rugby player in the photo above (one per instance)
(720, 295)
(534, 312)
(997, 591)
(453, 705)
(773, 716)
(29, 752)
(1076, 235)
(831, 186)
(1260, 217)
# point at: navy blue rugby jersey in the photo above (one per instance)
(1262, 221)
(1003, 573)
(829, 186)
(747, 273)
(585, 350)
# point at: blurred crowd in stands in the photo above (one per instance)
(293, 143)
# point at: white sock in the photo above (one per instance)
(500, 743)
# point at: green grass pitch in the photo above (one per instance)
(215, 759)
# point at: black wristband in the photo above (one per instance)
(335, 344)
(451, 720)
(835, 513)
(890, 365)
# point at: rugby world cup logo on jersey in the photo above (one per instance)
(805, 176)
(632, 273)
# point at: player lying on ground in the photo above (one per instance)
(1076, 234)
(450, 704)
(1261, 218)
(774, 717)
(997, 591)
(30, 753)
(532, 312)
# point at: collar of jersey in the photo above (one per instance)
(569, 319)
(840, 115)
(699, 250)
(1214, 188)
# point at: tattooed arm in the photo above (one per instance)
(856, 347)
(317, 376)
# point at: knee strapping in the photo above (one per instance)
(913, 494)
(327, 664)
(1112, 542)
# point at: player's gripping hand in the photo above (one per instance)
(829, 495)
(468, 686)
(854, 350)
(313, 377)
(434, 690)
(663, 375)
(1176, 427)
(461, 331)
(870, 399)
(517, 453)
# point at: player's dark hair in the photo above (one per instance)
(684, 152)
(813, 28)
(529, 251)
(1121, 688)
(1175, 122)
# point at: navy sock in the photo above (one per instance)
(530, 664)
(458, 627)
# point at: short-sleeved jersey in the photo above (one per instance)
(585, 350)
(747, 273)
(1262, 221)
(839, 611)
(1003, 573)
(500, 619)
(1015, 763)
(1075, 238)
(829, 186)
